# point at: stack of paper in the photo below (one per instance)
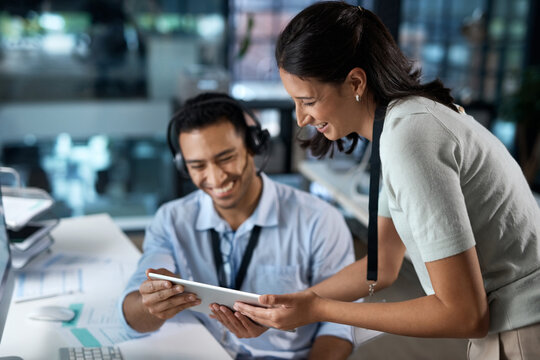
(27, 239)
(20, 258)
(20, 210)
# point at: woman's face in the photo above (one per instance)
(331, 109)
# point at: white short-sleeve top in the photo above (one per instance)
(449, 184)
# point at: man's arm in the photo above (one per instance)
(156, 301)
(137, 316)
(327, 347)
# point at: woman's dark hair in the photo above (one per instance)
(328, 39)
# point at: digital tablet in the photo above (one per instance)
(210, 294)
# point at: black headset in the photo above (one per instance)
(257, 139)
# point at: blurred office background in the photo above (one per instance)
(87, 87)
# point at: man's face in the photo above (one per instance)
(219, 164)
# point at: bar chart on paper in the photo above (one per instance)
(33, 285)
(64, 274)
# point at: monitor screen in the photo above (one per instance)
(6, 272)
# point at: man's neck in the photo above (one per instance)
(236, 216)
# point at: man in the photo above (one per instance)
(301, 239)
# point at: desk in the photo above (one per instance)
(98, 235)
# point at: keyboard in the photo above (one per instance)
(90, 353)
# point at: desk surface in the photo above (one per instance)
(98, 235)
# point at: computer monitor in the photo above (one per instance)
(6, 272)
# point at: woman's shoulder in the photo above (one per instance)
(417, 124)
(416, 114)
(408, 106)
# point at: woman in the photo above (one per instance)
(452, 195)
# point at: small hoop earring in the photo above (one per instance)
(357, 97)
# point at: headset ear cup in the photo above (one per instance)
(265, 140)
(258, 140)
(180, 165)
(178, 160)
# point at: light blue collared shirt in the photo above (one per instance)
(303, 241)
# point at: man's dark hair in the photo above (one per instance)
(207, 109)
(327, 40)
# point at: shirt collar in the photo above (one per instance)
(266, 213)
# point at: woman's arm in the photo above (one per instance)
(350, 283)
(457, 309)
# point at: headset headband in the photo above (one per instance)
(256, 139)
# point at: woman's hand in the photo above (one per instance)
(285, 312)
(238, 324)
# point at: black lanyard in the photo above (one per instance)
(374, 176)
(246, 259)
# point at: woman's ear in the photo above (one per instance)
(357, 81)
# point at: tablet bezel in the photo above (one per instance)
(210, 294)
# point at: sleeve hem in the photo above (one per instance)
(132, 333)
(447, 247)
(344, 332)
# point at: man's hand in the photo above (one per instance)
(238, 324)
(163, 299)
